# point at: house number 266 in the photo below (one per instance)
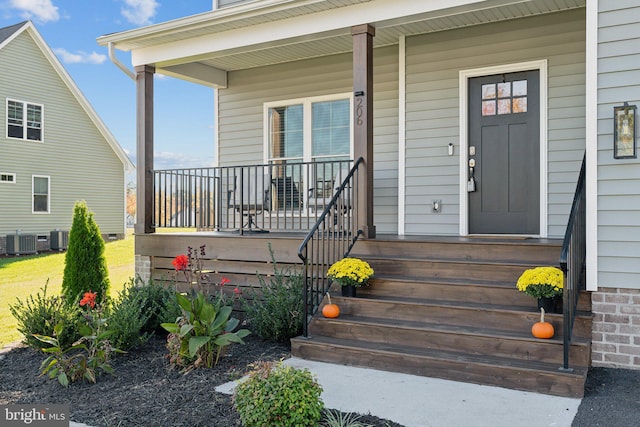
(359, 110)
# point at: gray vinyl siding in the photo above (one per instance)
(223, 3)
(433, 65)
(241, 115)
(618, 180)
(80, 163)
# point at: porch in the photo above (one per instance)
(442, 306)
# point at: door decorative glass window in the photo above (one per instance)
(504, 98)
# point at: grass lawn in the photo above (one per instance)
(25, 275)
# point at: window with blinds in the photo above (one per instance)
(24, 120)
(307, 130)
(40, 194)
(310, 130)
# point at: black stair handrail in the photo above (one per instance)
(573, 261)
(330, 239)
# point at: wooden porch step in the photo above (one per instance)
(536, 251)
(472, 340)
(450, 268)
(460, 313)
(451, 289)
(512, 373)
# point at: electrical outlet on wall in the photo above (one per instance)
(436, 206)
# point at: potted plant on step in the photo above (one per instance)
(545, 284)
(350, 273)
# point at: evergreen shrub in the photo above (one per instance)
(85, 267)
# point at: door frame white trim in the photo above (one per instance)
(402, 136)
(464, 76)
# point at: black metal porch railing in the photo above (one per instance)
(573, 261)
(331, 238)
(251, 198)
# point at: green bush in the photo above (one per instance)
(280, 396)
(40, 314)
(127, 318)
(138, 312)
(278, 312)
(157, 300)
(85, 267)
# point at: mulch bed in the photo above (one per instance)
(146, 390)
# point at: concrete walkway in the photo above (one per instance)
(415, 401)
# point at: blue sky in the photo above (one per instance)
(183, 111)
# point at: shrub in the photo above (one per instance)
(160, 302)
(277, 313)
(138, 312)
(40, 314)
(280, 396)
(127, 318)
(85, 267)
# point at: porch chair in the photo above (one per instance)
(288, 195)
(322, 193)
(251, 197)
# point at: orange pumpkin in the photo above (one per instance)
(330, 311)
(542, 329)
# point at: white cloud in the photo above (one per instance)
(169, 160)
(139, 12)
(40, 10)
(79, 57)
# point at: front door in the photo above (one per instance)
(504, 154)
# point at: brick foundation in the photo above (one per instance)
(143, 268)
(616, 328)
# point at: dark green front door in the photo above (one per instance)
(504, 153)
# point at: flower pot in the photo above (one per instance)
(550, 304)
(348, 291)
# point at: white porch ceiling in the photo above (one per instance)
(321, 44)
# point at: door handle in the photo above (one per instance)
(471, 182)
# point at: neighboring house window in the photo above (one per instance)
(7, 178)
(41, 192)
(24, 120)
(313, 129)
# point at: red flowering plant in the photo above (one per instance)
(89, 299)
(200, 336)
(87, 356)
(191, 267)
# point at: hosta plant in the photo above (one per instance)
(201, 334)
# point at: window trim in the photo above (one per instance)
(33, 181)
(306, 125)
(8, 174)
(25, 126)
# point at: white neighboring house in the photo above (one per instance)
(54, 149)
